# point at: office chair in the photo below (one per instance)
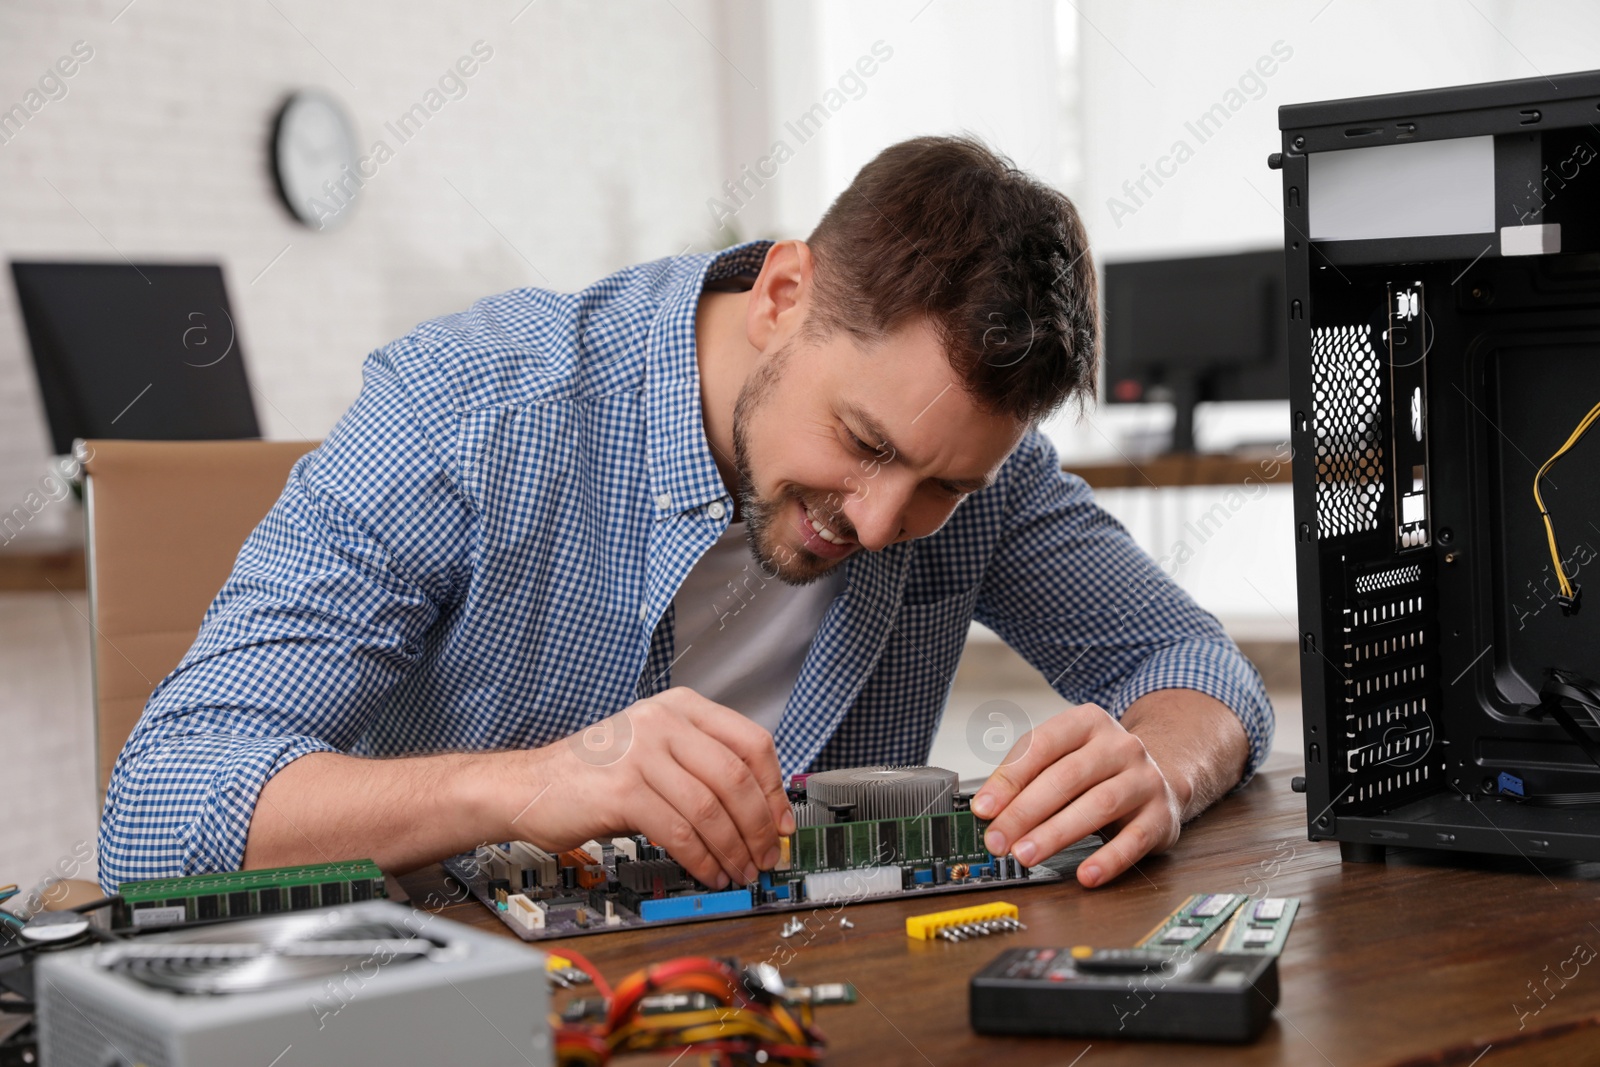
(166, 522)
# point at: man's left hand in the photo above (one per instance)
(1078, 773)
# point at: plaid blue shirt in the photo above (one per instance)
(484, 552)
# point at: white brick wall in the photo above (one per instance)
(590, 139)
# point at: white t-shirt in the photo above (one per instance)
(740, 633)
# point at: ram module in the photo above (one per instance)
(238, 894)
(1193, 921)
(1261, 926)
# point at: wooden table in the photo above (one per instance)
(1415, 961)
(1410, 962)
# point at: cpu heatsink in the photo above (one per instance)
(884, 792)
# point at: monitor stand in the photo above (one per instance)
(1185, 396)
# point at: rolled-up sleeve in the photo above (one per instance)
(1070, 590)
(325, 611)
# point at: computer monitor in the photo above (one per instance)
(140, 352)
(1200, 328)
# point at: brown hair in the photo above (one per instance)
(999, 262)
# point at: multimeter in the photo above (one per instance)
(1180, 995)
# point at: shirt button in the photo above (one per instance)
(644, 611)
(664, 501)
(716, 510)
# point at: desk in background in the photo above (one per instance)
(1179, 470)
(40, 570)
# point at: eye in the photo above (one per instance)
(858, 444)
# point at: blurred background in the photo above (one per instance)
(591, 136)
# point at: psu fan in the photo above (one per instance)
(371, 983)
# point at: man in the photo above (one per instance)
(510, 596)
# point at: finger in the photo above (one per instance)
(718, 768)
(750, 743)
(755, 747)
(1057, 786)
(695, 801)
(1033, 752)
(1101, 805)
(1108, 752)
(662, 823)
(1148, 832)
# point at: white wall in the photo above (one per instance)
(943, 67)
(959, 66)
(589, 140)
(1141, 88)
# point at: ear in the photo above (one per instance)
(781, 296)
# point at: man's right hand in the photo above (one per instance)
(699, 779)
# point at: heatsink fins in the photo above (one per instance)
(885, 792)
(811, 813)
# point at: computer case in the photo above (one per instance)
(1443, 303)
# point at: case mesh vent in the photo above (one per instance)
(1389, 579)
(1346, 379)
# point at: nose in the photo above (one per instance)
(878, 516)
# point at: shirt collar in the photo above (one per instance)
(683, 472)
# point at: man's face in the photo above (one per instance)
(875, 446)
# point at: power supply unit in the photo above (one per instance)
(369, 983)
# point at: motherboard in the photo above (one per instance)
(867, 833)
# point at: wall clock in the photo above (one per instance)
(314, 159)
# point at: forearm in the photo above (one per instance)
(698, 778)
(402, 813)
(1196, 740)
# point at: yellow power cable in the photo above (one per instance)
(1567, 589)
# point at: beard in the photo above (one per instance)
(795, 565)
